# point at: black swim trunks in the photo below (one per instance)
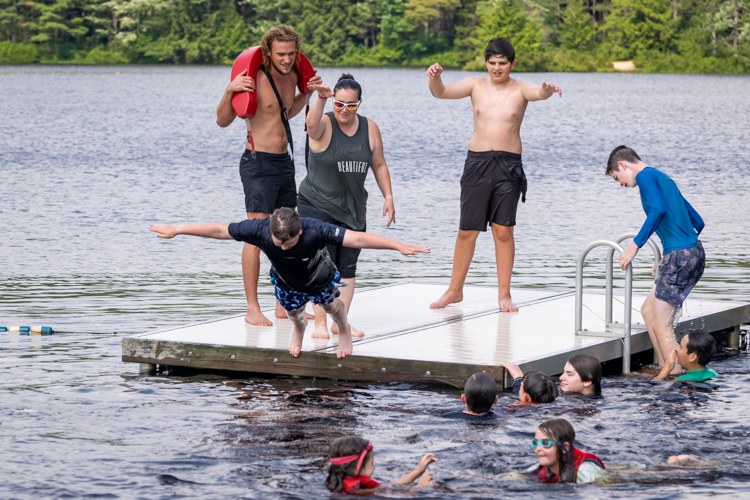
(345, 258)
(268, 182)
(491, 185)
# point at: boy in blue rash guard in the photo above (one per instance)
(678, 226)
(301, 270)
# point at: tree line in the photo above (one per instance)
(697, 36)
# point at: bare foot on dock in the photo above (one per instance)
(345, 346)
(355, 331)
(295, 343)
(321, 332)
(255, 317)
(449, 297)
(507, 305)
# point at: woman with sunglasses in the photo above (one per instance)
(344, 146)
(559, 460)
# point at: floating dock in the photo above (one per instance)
(406, 341)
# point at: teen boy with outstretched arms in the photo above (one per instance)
(678, 225)
(493, 178)
(301, 269)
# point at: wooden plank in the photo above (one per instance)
(309, 364)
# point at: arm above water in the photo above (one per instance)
(419, 470)
(225, 114)
(668, 366)
(216, 231)
(695, 218)
(533, 93)
(359, 239)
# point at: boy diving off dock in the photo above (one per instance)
(678, 226)
(493, 178)
(301, 270)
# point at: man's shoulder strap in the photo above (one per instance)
(284, 118)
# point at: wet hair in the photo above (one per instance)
(620, 153)
(285, 224)
(560, 430)
(500, 47)
(348, 82)
(539, 386)
(589, 369)
(703, 344)
(343, 447)
(279, 33)
(480, 391)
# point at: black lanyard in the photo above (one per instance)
(284, 118)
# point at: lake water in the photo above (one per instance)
(89, 157)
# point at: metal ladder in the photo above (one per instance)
(612, 330)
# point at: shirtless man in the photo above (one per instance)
(267, 176)
(493, 178)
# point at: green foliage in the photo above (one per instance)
(548, 35)
(18, 53)
(508, 19)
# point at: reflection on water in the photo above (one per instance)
(89, 157)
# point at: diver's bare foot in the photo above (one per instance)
(449, 297)
(255, 317)
(355, 331)
(295, 343)
(321, 332)
(507, 305)
(345, 346)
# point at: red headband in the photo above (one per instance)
(352, 458)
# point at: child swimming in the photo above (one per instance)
(480, 393)
(559, 460)
(353, 463)
(533, 387)
(582, 375)
(693, 353)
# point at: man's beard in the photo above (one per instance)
(279, 70)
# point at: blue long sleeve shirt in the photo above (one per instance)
(667, 212)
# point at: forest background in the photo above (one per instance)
(681, 36)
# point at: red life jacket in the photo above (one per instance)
(245, 104)
(579, 457)
(359, 483)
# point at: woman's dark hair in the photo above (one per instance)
(539, 387)
(343, 447)
(560, 431)
(703, 344)
(589, 369)
(500, 47)
(284, 224)
(348, 82)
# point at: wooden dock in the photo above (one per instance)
(406, 341)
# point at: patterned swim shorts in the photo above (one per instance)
(679, 271)
(291, 300)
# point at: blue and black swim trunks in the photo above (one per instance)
(292, 301)
(679, 272)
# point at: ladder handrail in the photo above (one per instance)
(610, 278)
(628, 297)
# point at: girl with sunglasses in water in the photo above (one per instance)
(559, 460)
(353, 463)
(344, 146)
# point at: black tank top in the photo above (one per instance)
(335, 181)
